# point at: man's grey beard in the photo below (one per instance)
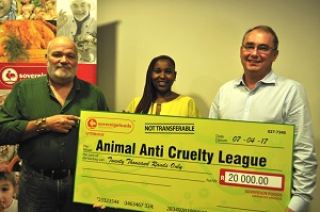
(59, 80)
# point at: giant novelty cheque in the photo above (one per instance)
(162, 163)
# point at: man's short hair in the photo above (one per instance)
(267, 29)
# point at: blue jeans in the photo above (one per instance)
(38, 193)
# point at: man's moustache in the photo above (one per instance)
(64, 66)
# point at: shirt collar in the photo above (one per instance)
(76, 83)
(270, 78)
(84, 20)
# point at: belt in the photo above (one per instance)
(55, 174)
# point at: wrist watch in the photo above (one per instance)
(41, 124)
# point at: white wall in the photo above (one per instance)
(204, 37)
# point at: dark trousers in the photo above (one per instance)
(38, 193)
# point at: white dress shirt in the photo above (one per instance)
(277, 100)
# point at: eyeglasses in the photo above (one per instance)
(262, 48)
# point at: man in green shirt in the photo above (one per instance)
(42, 115)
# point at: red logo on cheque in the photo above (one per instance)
(92, 123)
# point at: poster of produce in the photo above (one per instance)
(26, 28)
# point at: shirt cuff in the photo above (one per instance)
(298, 204)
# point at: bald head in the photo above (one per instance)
(61, 40)
(81, 1)
(80, 9)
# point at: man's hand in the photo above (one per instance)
(62, 19)
(61, 123)
(99, 206)
(289, 210)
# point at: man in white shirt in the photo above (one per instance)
(261, 95)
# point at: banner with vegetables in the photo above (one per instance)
(27, 26)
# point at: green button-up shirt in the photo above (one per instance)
(33, 99)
